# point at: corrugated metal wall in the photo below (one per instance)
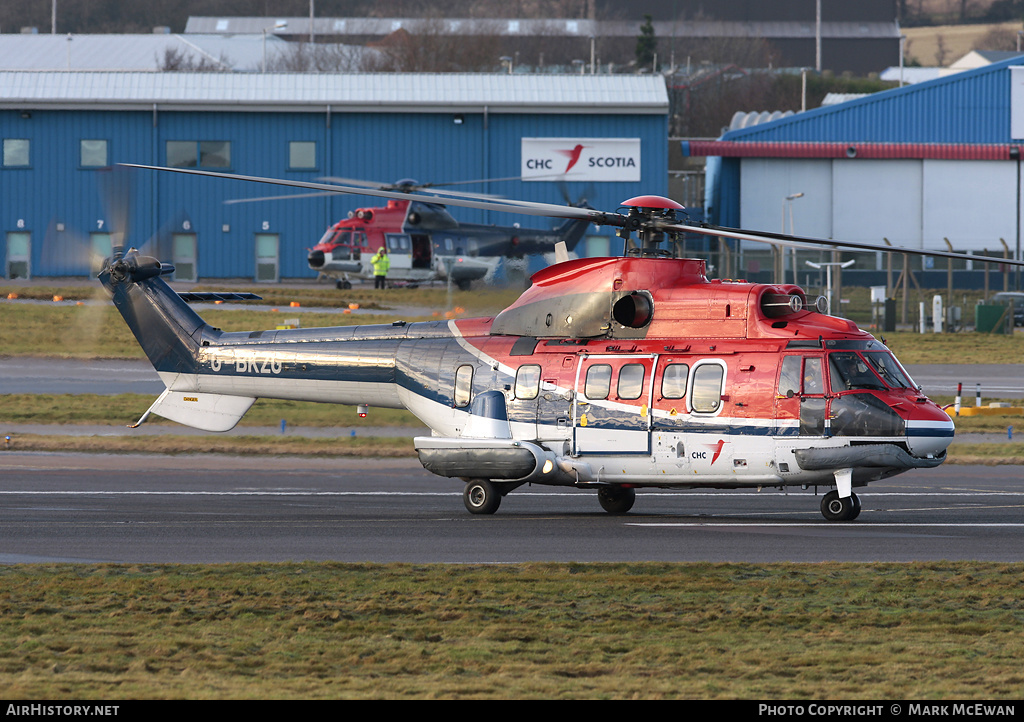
(969, 107)
(55, 192)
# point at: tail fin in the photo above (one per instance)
(166, 328)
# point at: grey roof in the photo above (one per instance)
(559, 27)
(310, 92)
(131, 52)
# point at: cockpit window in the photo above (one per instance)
(328, 235)
(847, 370)
(890, 371)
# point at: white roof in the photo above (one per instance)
(132, 52)
(910, 74)
(545, 27)
(311, 92)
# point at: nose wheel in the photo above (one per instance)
(837, 508)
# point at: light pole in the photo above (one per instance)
(279, 25)
(828, 275)
(903, 39)
(788, 201)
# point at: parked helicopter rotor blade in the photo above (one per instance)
(530, 208)
(428, 197)
(782, 239)
(292, 196)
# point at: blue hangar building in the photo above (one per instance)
(63, 202)
(934, 165)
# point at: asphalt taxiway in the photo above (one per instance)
(215, 509)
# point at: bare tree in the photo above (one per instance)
(178, 60)
(433, 46)
(302, 57)
(941, 51)
(998, 38)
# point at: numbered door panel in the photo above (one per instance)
(611, 409)
(19, 255)
(184, 257)
(267, 257)
(100, 249)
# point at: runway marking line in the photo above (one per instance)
(682, 493)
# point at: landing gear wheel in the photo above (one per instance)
(343, 285)
(616, 499)
(835, 508)
(481, 497)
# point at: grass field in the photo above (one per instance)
(947, 43)
(97, 331)
(937, 631)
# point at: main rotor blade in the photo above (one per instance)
(433, 188)
(529, 208)
(782, 239)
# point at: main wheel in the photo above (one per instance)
(481, 497)
(835, 508)
(616, 499)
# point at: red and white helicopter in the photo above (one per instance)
(608, 374)
(424, 241)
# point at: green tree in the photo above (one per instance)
(646, 44)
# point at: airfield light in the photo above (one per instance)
(363, 410)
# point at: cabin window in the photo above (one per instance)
(789, 379)
(706, 395)
(398, 243)
(599, 382)
(673, 381)
(631, 381)
(528, 381)
(814, 380)
(463, 385)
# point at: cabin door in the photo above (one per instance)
(611, 406)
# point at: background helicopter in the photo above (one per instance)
(424, 242)
(608, 374)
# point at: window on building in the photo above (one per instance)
(199, 154)
(302, 154)
(16, 152)
(214, 154)
(92, 153)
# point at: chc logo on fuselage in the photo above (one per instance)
(715, 450)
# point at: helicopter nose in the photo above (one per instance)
(316, 259)
(929, 437)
